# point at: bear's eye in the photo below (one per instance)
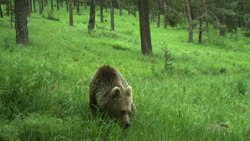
(122, 112)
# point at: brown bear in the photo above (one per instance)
(109, 94)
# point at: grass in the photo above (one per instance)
(44, 86)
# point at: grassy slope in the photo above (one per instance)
(198, 100)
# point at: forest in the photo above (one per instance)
(188, 62)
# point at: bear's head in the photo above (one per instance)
(121, 105)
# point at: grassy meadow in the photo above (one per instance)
(203, 94)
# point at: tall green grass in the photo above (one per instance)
(44, 86)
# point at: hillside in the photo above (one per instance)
(203, 95)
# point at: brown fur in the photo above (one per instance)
(110, 94)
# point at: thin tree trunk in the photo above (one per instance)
(30, 6)
(11, 14)
(120, 7)
(70, 13)
(207, 20)
(45, 3)
(222, 26)
(61, 3)
(158, 14)
(152, 15)
(1, 11)
(21, 23)
(146, 47)
(101, 11)
(85, 4)
(202, 4)
(165, 9)
(78, 7)
(40, 6)
(112, 15)
(34, 5)
(190, 22)
(67, 5)
(91, 16)
(75, 3)
(7, 7)
(106, 5)
(58, 4)
(52, 4)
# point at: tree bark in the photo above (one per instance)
(58, 4)
(61, 3)
(159, 13)
(34, 5)
(21, 23)
(11, 14)
(40, 6)
(91, 16)
(70, 13)
(202, 8)
(30, 6)
(78, 7)
(67, 5)
(8, 7)
(165, 9)
(85, 4)
(1, 11)
(190, 22)
(52, 4)
(120, 7)
(207, 19)
(101, 11)
(146, 47)
(112, 15)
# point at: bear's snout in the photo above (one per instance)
(126, 125)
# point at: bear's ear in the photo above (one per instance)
(129, 91)
(115, 92)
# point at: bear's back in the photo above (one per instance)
(106, 78)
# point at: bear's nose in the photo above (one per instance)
(126, 125)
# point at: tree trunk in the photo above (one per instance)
(207, 19)
(190, 22)
(40, 6)
(34, 5)
(11, 14)
(120, 7)
(159, 13)
(101, 11)
(202, 5)
(78, 7)
(45, 3)
(57, 4)
(30, 6)
(70, 13)
(222, 31)
(75, 3)
(165, 9)
(112, 15)
(67, 5)
(146, 47)
(52, 5)
(1, 11)
(91, 16)
(85, 4)
(21, 23)
(29, 12)
(61, 3)
(8, 7)
(106, 5)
